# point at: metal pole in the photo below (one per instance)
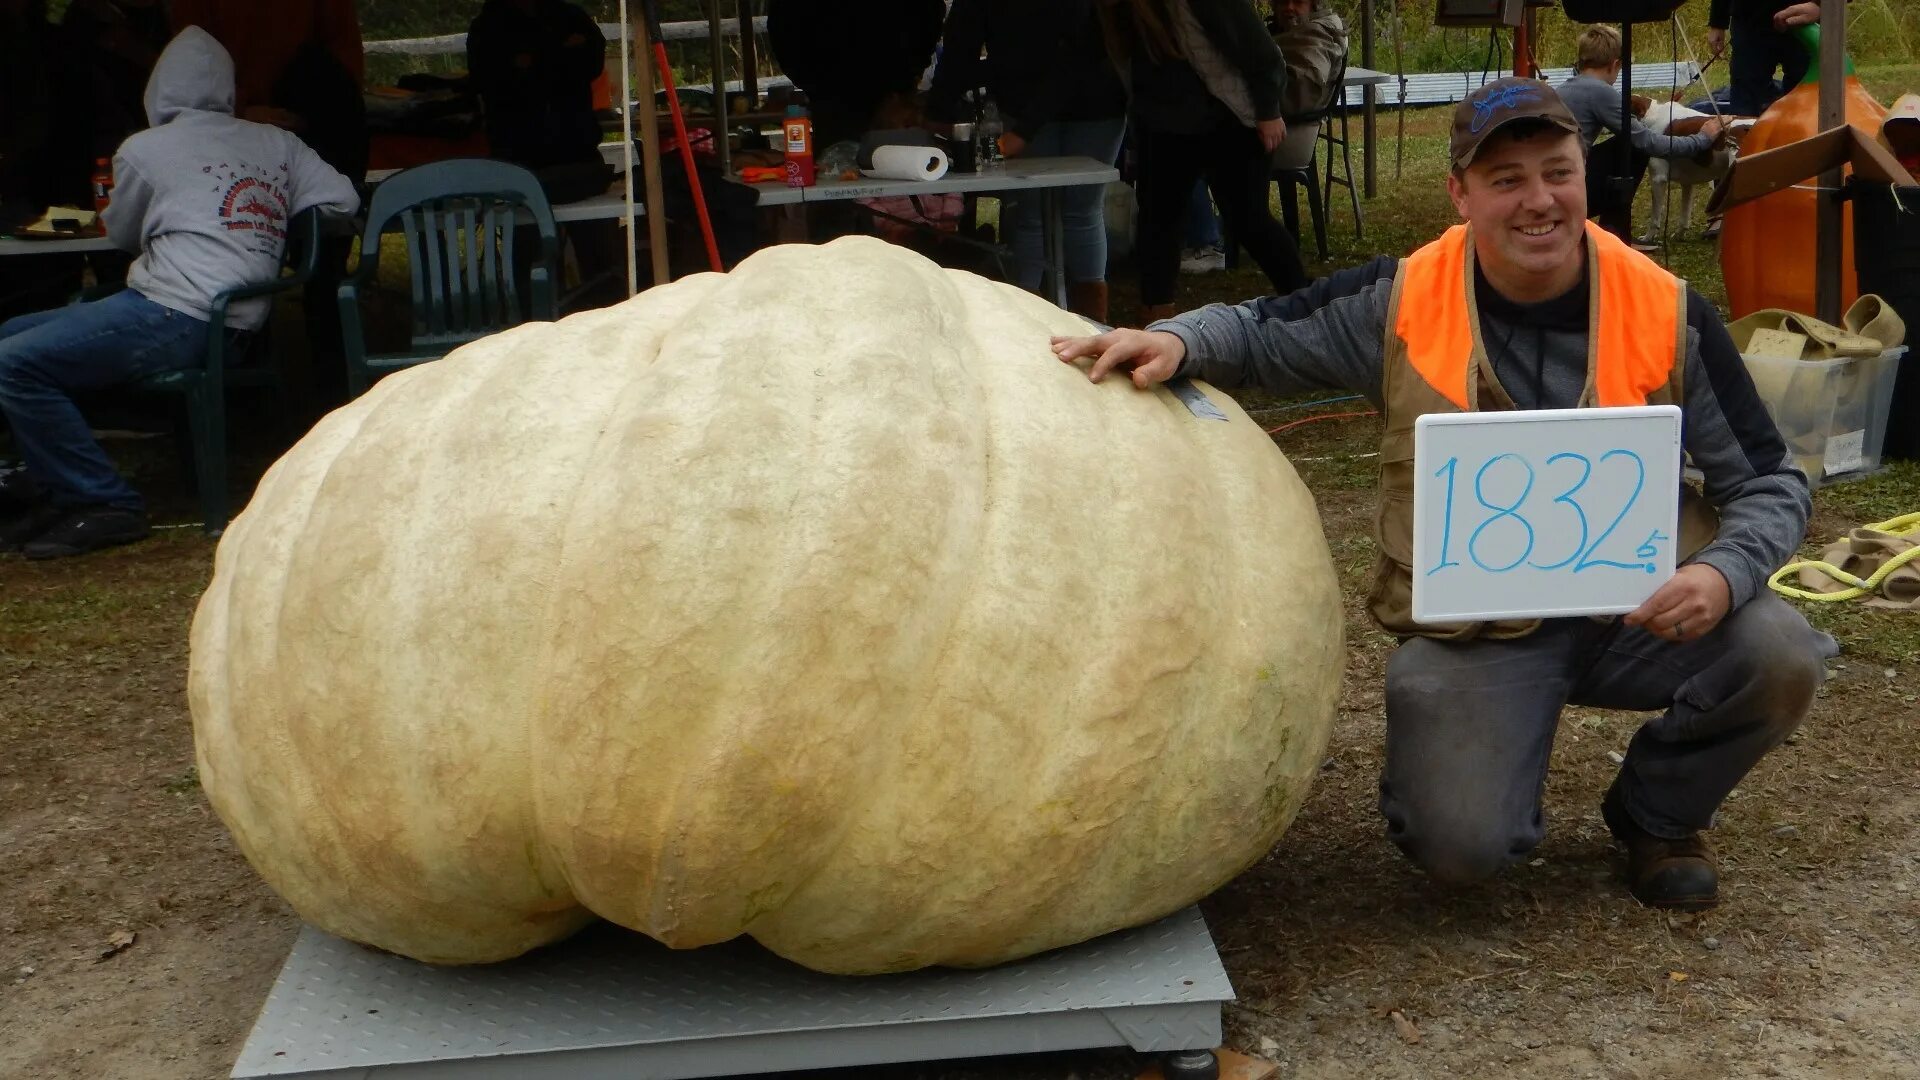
(1829, 222)
(650, 150)
(626, 144)
(717, 42)
(1619, 220)
(1367, 95)
(1523, 46)
(749, 55)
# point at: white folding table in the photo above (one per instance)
(1046, 175)
(11, 246)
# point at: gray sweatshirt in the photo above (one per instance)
(1596, 105)
(1331, 335)
(204, 197)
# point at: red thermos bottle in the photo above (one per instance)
(102, 183)
(797, 134)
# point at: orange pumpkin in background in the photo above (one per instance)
(1767, 245)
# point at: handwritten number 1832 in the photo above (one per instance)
(1507, 515)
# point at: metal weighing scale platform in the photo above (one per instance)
(612, 1003)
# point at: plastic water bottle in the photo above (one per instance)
(986, 135)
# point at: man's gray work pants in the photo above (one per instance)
(1470, 726)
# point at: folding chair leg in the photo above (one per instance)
(207, 420)
(1319, 212)
(277, 387)
(1353, 196)
(1290, 204)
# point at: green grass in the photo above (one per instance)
(187, 783)
(1888, 494)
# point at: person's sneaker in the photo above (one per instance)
(1713, 230)
(17, 489)
(19, 526)
(87, 528)
(1202, 260)
(1675, 874)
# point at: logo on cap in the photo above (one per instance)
(1505, 97)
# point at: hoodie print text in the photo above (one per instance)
(250, 202)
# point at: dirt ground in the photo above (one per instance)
(135, 943)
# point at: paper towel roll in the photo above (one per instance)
(908, 163)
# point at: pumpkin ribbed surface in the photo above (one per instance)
(814, 601)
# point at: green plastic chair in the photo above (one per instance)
(459, 220)
(205, 388)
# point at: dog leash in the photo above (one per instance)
(1701, 75)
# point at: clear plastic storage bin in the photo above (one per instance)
(1832, 413)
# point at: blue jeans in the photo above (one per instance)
(1203, 225)
(48, 356)
(1757, 49)
(1083, 210)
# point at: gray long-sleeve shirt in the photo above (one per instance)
(1596, 105)
(1331, 336)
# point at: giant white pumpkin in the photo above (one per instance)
(815, 601)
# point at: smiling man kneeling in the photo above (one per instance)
(1527, 306)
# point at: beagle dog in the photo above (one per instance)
(1673, 118)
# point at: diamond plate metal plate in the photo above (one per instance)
(613, 1003)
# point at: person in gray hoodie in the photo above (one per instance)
(204, 199)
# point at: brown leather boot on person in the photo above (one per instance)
(1679, 875)
(1150, 312)
(1088, 298)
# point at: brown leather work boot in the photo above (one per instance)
(1151, 312)
(1678, 875)
(1088, 298)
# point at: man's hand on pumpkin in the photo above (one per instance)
(1152, 356)
(1687, 607)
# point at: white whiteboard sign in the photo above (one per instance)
(1543, 513)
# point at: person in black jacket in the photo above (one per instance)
(533, 63)
(851, 57)
(1758, 48)
(115, 43)
(1046, 68)
(1206, 82)
(44, 159)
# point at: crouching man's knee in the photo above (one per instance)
(1780, 663)
(1458, 861)
(1459, 853)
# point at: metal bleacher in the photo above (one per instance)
(1447, 87)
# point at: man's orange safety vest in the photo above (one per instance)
(1436, 362)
